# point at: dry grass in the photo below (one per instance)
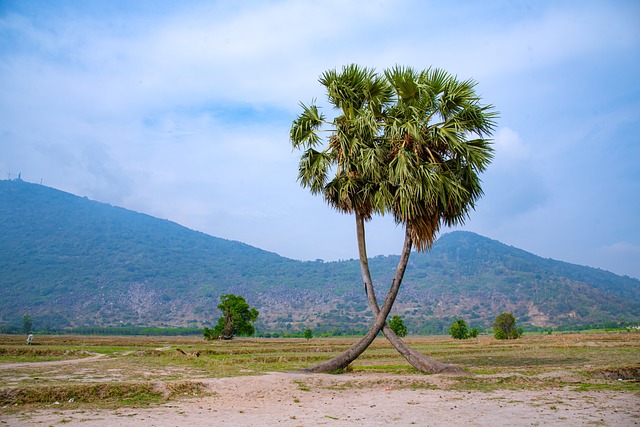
(81, 393)
(144, 370)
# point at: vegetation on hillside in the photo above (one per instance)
(68, 262)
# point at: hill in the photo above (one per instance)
(67, 261)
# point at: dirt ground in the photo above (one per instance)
(295, 399)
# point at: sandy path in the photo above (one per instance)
(65, 362)
(355, 400)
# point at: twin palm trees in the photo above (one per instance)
(406, 143)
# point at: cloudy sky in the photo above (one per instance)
(182, 110)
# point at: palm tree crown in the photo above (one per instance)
(354, 150)
(437, 135)
(408, 143)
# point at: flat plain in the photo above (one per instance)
(567, 379)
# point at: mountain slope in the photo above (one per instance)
(68, 261)
(478, 276)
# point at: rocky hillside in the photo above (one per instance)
(67, 261)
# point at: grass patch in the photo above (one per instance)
(613, 386)
(302, 386)
(344, 370)
(581, 361)
(129, 394)
(623, 373)
(15, 354)
(186, 389)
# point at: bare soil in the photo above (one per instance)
(92, 358)
(294, 399)
(550, 380)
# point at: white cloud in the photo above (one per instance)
(182, 110)
(509, 148)
(622, 249)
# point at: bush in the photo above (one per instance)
(504, 327)
(209, 334)
(397, 326)
(459, 330)
(308, 334)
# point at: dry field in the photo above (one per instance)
(560, 379)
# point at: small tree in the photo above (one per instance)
(504, 327)
(237, 319)
(397, 326)
(27, 324)
(473, 333)
(308, 334)
(459, 330)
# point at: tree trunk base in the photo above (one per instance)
(324, 370)
(418, 360)
(428, 365)
(455, 371)
(446, 369)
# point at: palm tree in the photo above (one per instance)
(355, 153)
(412, 158)
(437, 134)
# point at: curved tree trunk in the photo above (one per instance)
(416, 359)
(343, 360)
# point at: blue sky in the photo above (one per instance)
(182, 110)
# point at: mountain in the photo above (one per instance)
(67, 261)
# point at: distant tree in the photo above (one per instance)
(237, 319)
(27, 324)
(473, 333)
(459, 330)
(308, 334)
(504, 327)
(397, 326)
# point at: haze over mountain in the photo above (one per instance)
(67, 261)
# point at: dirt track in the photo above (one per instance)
(356, 400)
(39, 365)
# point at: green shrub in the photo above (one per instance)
(504, 327)
(308, 334)
(459, 330)
(397, 326)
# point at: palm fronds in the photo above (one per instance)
(409, 143)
